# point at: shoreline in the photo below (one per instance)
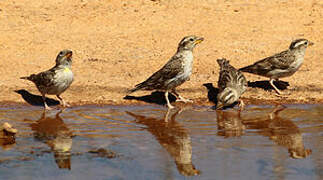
(161, 102)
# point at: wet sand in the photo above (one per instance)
(119, 44)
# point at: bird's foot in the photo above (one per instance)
(279, 93)
(170, 106)
(181, 99)
(241, 105)
(47, 108)
(66, 105)
(283, 95)
(62, 101)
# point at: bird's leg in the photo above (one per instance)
(271, 81)
(63, 102)
(181, 99)
(45, 104)
(167, 100)
(184, 99)
(279, 93)
(241, 105)
(219, 106)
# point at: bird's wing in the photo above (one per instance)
(229, 76)
(156, 81)
(43, 79)
(281, 61)
(224, 78)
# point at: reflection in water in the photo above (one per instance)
(262, 150)
(229, 124)
(54, 132)
(284, 133)
(174, 138)
(7, 136)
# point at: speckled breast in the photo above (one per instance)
(63, 80)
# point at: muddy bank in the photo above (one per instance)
(203, 96)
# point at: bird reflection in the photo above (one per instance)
(7, 136)
(229, 124)
(173, 137)
(285, 133)
(54, 132)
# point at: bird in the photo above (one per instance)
(175, 72)
(232, 84)
(280, 65)
(55, 80)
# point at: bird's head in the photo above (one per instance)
(300, 44)
(64, 58)
(227, 97)
(189, 42)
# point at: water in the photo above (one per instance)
(147, 142)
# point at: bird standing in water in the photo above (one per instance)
(55, 80)
(175, 72)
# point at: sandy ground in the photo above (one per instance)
(118, 44)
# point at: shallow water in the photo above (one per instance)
(147, 142)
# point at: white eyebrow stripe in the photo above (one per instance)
(299, 43)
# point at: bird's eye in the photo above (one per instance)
(191, 39)
(306, 43)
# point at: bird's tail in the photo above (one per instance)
(137, 87)
(30, 78)
(247, 69)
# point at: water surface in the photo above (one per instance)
(149, 142)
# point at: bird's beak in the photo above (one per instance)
(68, 55)
(199, 40)
(310, 43)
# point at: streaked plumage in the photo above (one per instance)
(175, 72)
(55, 80)
(280, 65)
(232, 84)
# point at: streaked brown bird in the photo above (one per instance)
(283, 64)
(232, 84)
(55, 80)
(175, 72)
